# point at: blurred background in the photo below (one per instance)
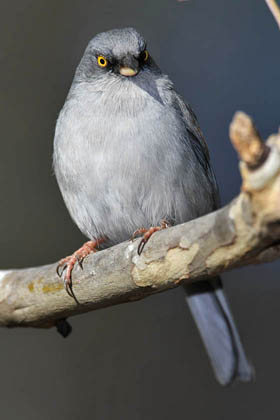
(142, 360)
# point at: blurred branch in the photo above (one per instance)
(247, 142)
(275, 10)
(247, 231)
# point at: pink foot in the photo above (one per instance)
(147, 233)
(69, 262)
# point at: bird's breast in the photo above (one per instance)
(120, 163)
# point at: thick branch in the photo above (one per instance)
(247, 231)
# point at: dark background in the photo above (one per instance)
(142, 360)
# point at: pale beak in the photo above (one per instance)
(128, 71)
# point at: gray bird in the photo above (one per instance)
(129, 153)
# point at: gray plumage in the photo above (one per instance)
(128, 153)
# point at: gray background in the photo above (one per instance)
(142, 360)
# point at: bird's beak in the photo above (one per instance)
(128, 71)
(129, 66)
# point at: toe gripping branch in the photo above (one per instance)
(66, 265)
(147, 233)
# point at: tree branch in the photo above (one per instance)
(247, 231)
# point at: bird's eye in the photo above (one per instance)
(145, 55)
(102, 62)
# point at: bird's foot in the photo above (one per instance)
(66, 265)
(147, 233)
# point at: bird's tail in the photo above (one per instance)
(217, 329)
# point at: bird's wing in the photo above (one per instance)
(196, 138)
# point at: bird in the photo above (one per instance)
(130, 158)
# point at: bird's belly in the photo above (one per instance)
(132, 173)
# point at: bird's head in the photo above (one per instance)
(120, 52)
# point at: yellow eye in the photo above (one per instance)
(146, 55)
(102, 62)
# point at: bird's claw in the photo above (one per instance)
(141, 246)
(66, 265)
(57, 271)
(69, 289)
(80, 261)
(147, 233)
(60, 269)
